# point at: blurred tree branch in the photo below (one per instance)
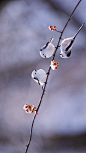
(3, 3)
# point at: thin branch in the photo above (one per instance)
(71, 15)
(44, 89)
(65, 28)
(37, 109)
(48, 75)
(30, 134)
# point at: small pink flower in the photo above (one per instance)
(54, 65)
(30, 108)
(52, 28)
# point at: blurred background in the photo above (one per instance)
(60, 126)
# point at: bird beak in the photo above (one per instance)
(61, 55)
(36, 78)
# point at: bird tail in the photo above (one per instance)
(51, 39)
(79, 30)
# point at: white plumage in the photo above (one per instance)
(67, 44)
(47, 50)
(39, 76)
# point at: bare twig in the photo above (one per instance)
(30, 134)
(48, 75)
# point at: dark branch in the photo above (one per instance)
(71, 15)
(65, 28)
(30, 134)
(37, 110)
(48, 74)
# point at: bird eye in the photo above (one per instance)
(43, 54)
(35, 73)
(61, 55)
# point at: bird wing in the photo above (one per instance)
(70, 45)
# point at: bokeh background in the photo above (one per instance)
(60, 126)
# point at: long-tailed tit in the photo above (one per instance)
(47, 50)
(66, 45)
(39, 76)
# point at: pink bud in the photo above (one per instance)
(27, 110)
(26, 106)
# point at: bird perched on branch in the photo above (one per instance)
(39, 76)
(47, 50)
(67, 44)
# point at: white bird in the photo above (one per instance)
(67, 44)
(47, 50)
(39, 76)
